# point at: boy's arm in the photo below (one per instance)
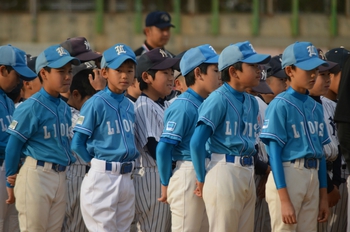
(198, 153)
(12, 156)
(323, 204)
(151, 147)
(78, 145)
(288, 212)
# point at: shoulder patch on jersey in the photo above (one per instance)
(170, 126)
(80, 120)
(13, 124)
(266, 124)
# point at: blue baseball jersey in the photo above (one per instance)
(6, 111)
(108, 119)
(180, 121)
(295, 121)
(42, 122)
(233, 122)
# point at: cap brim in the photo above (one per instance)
(63, 61)
(310, 64)
(257, 59)
(117, 62)
(280, 74)
(87, 56)
(164, 25)
(25, 73)
(263, 88)
(332, 67)
(165, 64)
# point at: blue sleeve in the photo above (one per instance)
(275, 150)
(198, 152)
(164, 162)
(322, 173)
(78, 145)
(13, 155)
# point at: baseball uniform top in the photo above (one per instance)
(6, 111)
(42, 123)
(108, 120)
(295, 122)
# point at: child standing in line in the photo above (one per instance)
(39, 130)
(104, 137)
(294, 133)
(228, 123)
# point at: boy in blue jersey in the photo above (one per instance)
(39, 131)
(294, 133)
(155, 74)
(104, 137)
(12, 67)
(227, 121)
(199, 67)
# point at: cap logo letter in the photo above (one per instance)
(61, 51)
(88, 65)
(87, 45)
(251, 46)
(161, 51)
(311, 50)
(165, 18)
(211, 47)
(120, 49)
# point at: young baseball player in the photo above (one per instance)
(155, 74)
(104, 137)
(199, 66)
(39, 131)
(227, 122)
(80, 91)
(294, 133)
(12, 67)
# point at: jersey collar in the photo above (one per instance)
(194, 94)
(55, 100)
(237, 94)
(300, 96)
(118, 97)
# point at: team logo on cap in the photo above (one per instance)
(61, 51)
(88, 65)
(165, 17)
(251, 46)
(87, 45)
(211, 47)
(311, 50)
(161, 51)
(321, 54)
(120, 49)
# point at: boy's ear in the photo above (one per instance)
(146, 77)
(3, 70)
(197, 73)
(104, 73)
(27, 84)
(43, 74)
(76, 94)
(232, 72)
(288, 71)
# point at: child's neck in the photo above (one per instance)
(51, 92)
(152, 94)
(237, 86)
(200, 91)
(331, 95)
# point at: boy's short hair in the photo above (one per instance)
(16, 58)
(80, 48)
(54, 56)
(225, 75)
(241, 52)
(303, 55)
(196, 56)
(190, 77)
(81, 81)
(115, 56)
(156, 59)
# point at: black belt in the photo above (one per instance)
(55, 167)
(309, 163)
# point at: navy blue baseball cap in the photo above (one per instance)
(303, 55)
(160, 19)
(17, 59)
(241, 52)
(54, 56)
(332, 66)
(274, 67)
(338, 55)
(115, 56)
(156, 59)
(196, 56)
(263, 87)
(80, 48)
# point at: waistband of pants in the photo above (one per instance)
(308, 163)
(46, 165)
(242, 161)
(186, 164)
(114, 167)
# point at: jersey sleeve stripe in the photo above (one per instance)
(82, 130)
(265, 135)
(208, 122)
(174, 135)
(19, 135)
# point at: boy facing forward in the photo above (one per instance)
(227, 120)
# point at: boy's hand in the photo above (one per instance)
(199, 189)
(333, 197)
(164, 194)
(98, 83)
(11, 196)
(12, 179)
(288, 213)
(323, 206)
